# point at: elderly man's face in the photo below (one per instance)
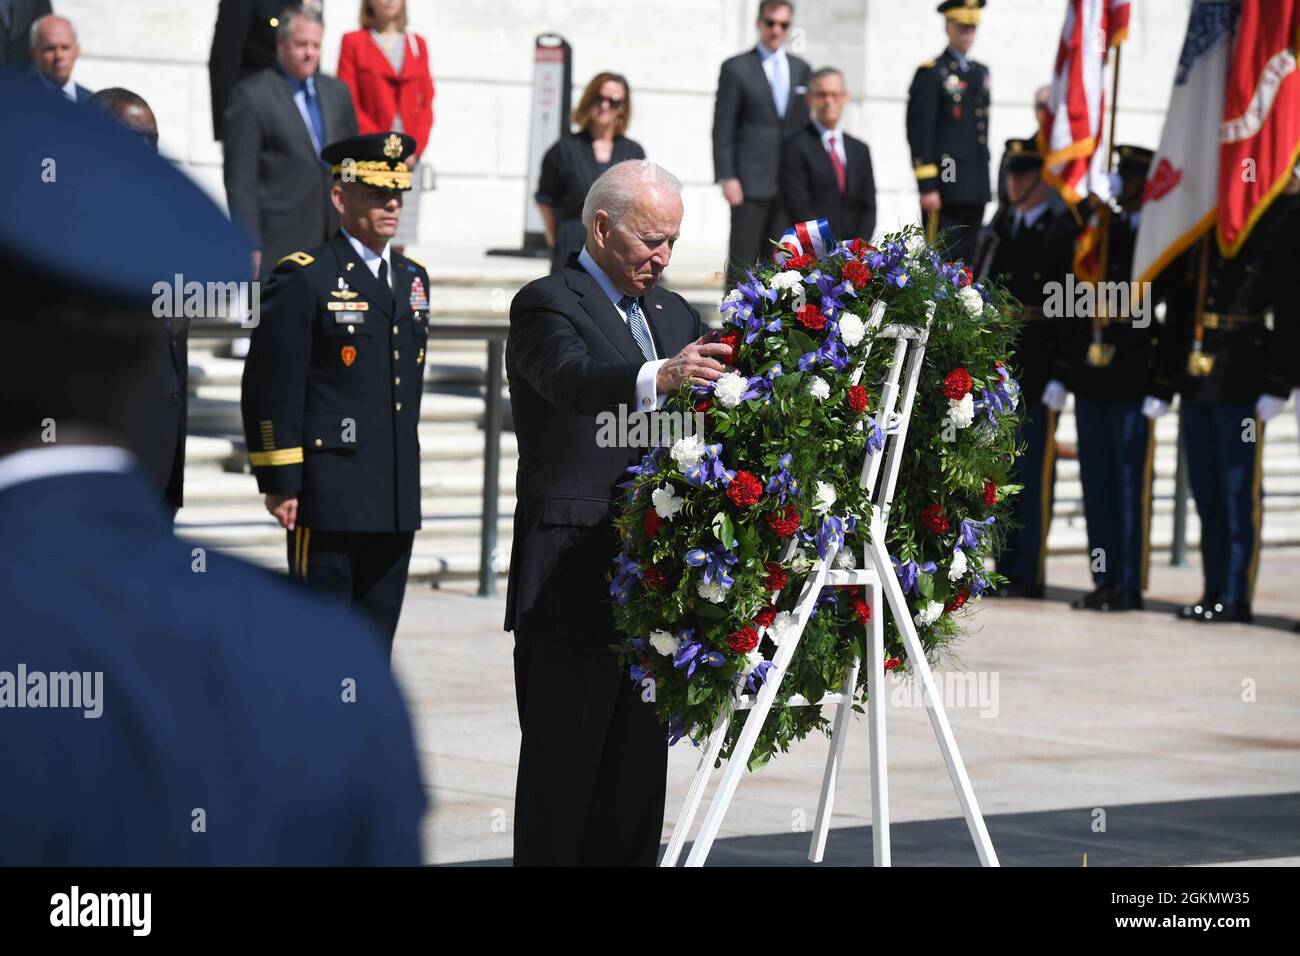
(300, 52)
(55, 52)
(634, 252)
(368, 213)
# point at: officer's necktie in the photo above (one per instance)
(835, 161)
(387, 287)
(313, 114)
(637, 324)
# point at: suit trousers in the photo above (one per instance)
(1225, 471)
(593, 761)
(1116, 451)
(366, 569)
(1025, 552)
(958, 227)
(753, 223)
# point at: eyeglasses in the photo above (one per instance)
(776, 24)
(613, 102)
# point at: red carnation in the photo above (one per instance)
(811, 317)
(990, 493)
(932, 517)
(967, 276)
(765, 617)
(784, 522)
(775, 577)
(858, 398)
(859, 273)
(704, 404)
(956, 603)
(743, 641)
(957, 384)
(651, 523)
(799, 262)
(860, 248)
(863, 610)
(732, 340)
(744, 489)
(652, 578)
(892, 663)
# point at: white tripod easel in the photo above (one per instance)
(876, 575)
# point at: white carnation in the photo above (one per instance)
(782, 627)
(852, 329)
(972, 301)
(818, 388)
(825, 497)
(800, 563)
(688, 451)
(665, 643)
(915, 244)
(729, 388)
(961, 413)
(845, 560)
(666, 502)
(929, 614)
(787, 281)
(957, 570)
(750, 661)
(711, 591)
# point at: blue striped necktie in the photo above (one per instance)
(637, 324)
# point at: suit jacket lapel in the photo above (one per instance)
(760, 75)
(670, 334)
(602, 312)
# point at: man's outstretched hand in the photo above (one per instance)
(694, 365)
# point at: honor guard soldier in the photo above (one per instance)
(1034, 246)
(947, 130)
(1234, 377)
(1118, 393)
(332, 388)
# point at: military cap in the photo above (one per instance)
(92, 206)
(377, 159)
(965, 12)
(1023, 156)
(1134, 160)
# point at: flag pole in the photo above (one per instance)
(1099, 321)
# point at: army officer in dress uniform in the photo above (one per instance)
(1233, 378)
(1118, 392)
(332, 388)
(947, 130)
(1034, 250)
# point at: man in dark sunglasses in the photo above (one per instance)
(761, 100)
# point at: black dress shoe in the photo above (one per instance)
(1122, 601)
(1196, 612)
(1232, 612)
(1094, 600)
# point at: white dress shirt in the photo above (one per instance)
(371, 259)
(647, 395)
(826, 134)
(32, 464)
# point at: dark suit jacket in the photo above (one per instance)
(222, 691)
(570, 356)
(15, 39)
(83, 94)
(276, 185)
(810, 190)
(243, 43)
(161, 433)
(747, 131)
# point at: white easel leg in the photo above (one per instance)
(708, 757)
(843, 712)
(934, 707)
(876, 697)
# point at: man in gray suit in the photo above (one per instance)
(760, 102)
(277, 123)
(16, 19)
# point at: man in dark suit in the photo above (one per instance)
(279, 120)
(760, 101)
(597, 336)
(826, 173)
(243, 43)
(332, 389)
(54, 56)
(16, 19)
(177, 707)
(947, 130)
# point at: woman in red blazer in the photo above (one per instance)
(386, 67)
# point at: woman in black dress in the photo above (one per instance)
(578, 159)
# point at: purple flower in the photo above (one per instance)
(783, 483)
(875, 436)
(638, 673)
(649, 466)
(832, 292)
(627, 574)
(979, 585)
(830, 536)
(709, 471)
(760, 386)
(716, 560)
(676, 730)
(830, 352)
(757, 676)
(909, 573)
(972, 531)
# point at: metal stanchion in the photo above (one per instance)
(487, 579)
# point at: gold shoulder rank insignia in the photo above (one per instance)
(415, 262)
(927, 65)
(298, 258)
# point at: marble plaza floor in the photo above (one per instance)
(1134, 738)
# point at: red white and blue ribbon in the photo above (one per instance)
(811, 238)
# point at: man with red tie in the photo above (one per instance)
(826, 173)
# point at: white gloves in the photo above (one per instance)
(1054, 395)
(1153, 407)
(1267, 406)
